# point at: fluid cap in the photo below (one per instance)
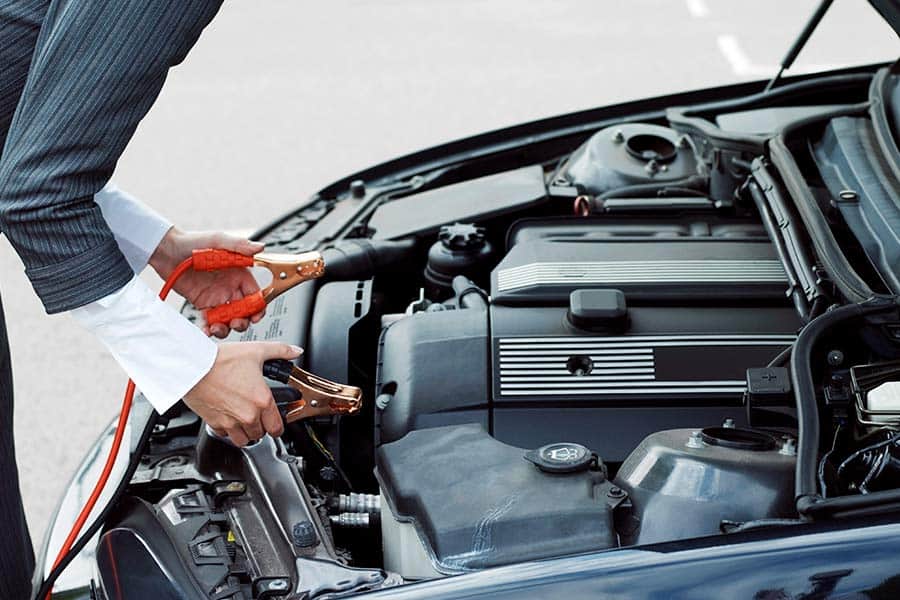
(462, 236)
(561, 457)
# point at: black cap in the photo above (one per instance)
(561, 457)
(304, 534)
(598, 309)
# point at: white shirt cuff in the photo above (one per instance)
(159, 349)
(137, 228)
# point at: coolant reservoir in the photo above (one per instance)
(685, 483)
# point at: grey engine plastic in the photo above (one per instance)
(629, 154)
(475, 502)
(685, 483)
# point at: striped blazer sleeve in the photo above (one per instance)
(97, 68)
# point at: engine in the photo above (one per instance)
(580, 354)
(551, 379)
(596, 337)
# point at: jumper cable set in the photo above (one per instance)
(313, 396)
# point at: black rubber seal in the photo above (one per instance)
(738, 438)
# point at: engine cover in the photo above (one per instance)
(700, 312)
(700, 269)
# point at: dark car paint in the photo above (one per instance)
(790, 563)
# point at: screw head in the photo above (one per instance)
(695, 440)
(789, 447)
(278, 584)
(835, 358)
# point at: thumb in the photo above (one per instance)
(236, 244)
(270, 350)
(248, 247)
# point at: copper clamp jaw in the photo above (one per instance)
(318, 396)
(288, 270)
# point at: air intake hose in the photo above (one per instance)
(361, 258)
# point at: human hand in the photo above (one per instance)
(205, 289)
(233, 398)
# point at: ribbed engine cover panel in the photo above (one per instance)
(659, 366)
(713, 271)
(691, 269)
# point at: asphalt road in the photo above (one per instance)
(275, 102)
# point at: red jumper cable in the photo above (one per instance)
(316, 396)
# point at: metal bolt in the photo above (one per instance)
(278, 584)
(728, 423)
(618, 137)
(236, 487)
(848, 196)
(835, 358)
(789, 448)
(695, 441)
(382, 400)
(615, 492)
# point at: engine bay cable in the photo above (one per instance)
(806, 479)
(70, 548)
(115, 497)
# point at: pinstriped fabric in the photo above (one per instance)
(16, 554)
(20, 23)
(97, 68)
(76, 77)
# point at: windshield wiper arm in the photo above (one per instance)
(801, 40)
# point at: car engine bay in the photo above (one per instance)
(644, 334)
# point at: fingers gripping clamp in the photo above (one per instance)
(318, 396)
(288, 270)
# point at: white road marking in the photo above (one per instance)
(742, 65)
(738, 59)
(697, 8)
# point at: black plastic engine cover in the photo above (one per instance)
(676, 366)
(547, 271)
(433, 370)
(478, 503)
(701, 310)
(536, 379)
